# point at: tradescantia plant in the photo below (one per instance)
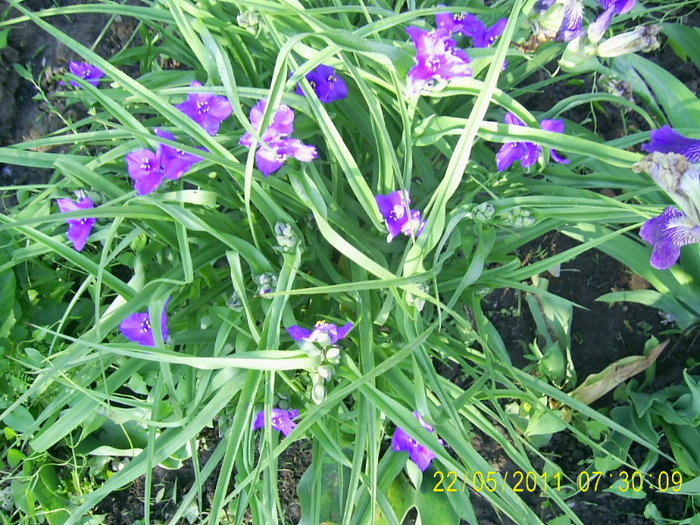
(293, 141)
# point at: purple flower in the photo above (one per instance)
(399, 219)
(277, 147)
(437, 57)
(327, 85)
(667, 233)
(137, 327)
(323, 332)
(403, 442)
(666, 140)
(86, 71)
(281, 126)
(146, 169)
(527, 153)
(175, 162)
(281, 420)
(271, 158)
(78, 229)
(206, 109)
(597, 29)
(470, 25)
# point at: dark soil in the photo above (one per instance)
(602, 333)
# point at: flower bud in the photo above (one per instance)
(318, 393)
(234, 302)
(286, 238)
(333, 355)
(267, 282)
(249, 21)
(325, 371)
(483, 212)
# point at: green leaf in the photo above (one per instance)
(435, 507)
(20, 419)
(401, 496)
(685, 41)
(7, 302)
(680, 104)
(624, 488)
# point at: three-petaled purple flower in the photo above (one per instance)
(327, 85)
(206, 109)
(667, 233)
(666, 140)
(78, 229)
(323, 333)
(527, 153)
(86, 71)
(437, 57)
(403, 442)
(137, 327)
(470, 25)
(399, 218)
(148, 168)
(597, 29)
(277, 147)
(281, 420)
(175, 162)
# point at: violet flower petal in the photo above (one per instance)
(137, 328)
(280, 420)
(667, 233)
(403, 442)
(78, 229)
(667, 140)
(327, 85)
(144, 167)
(298, 333)
(206, 109)
(86, 71)
(486, 37)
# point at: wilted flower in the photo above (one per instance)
(206, 109)
(527, 153)
(667, 233)
(327, 85)
(137, 327)
(86, 71)
(399, 219)
(271, 155)
(666, 140)
(281, 420)
(642, 38)
(470, 25)
(324, 333)
(437, 57)
(597, 29)
(403, 442)
(78, 229)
